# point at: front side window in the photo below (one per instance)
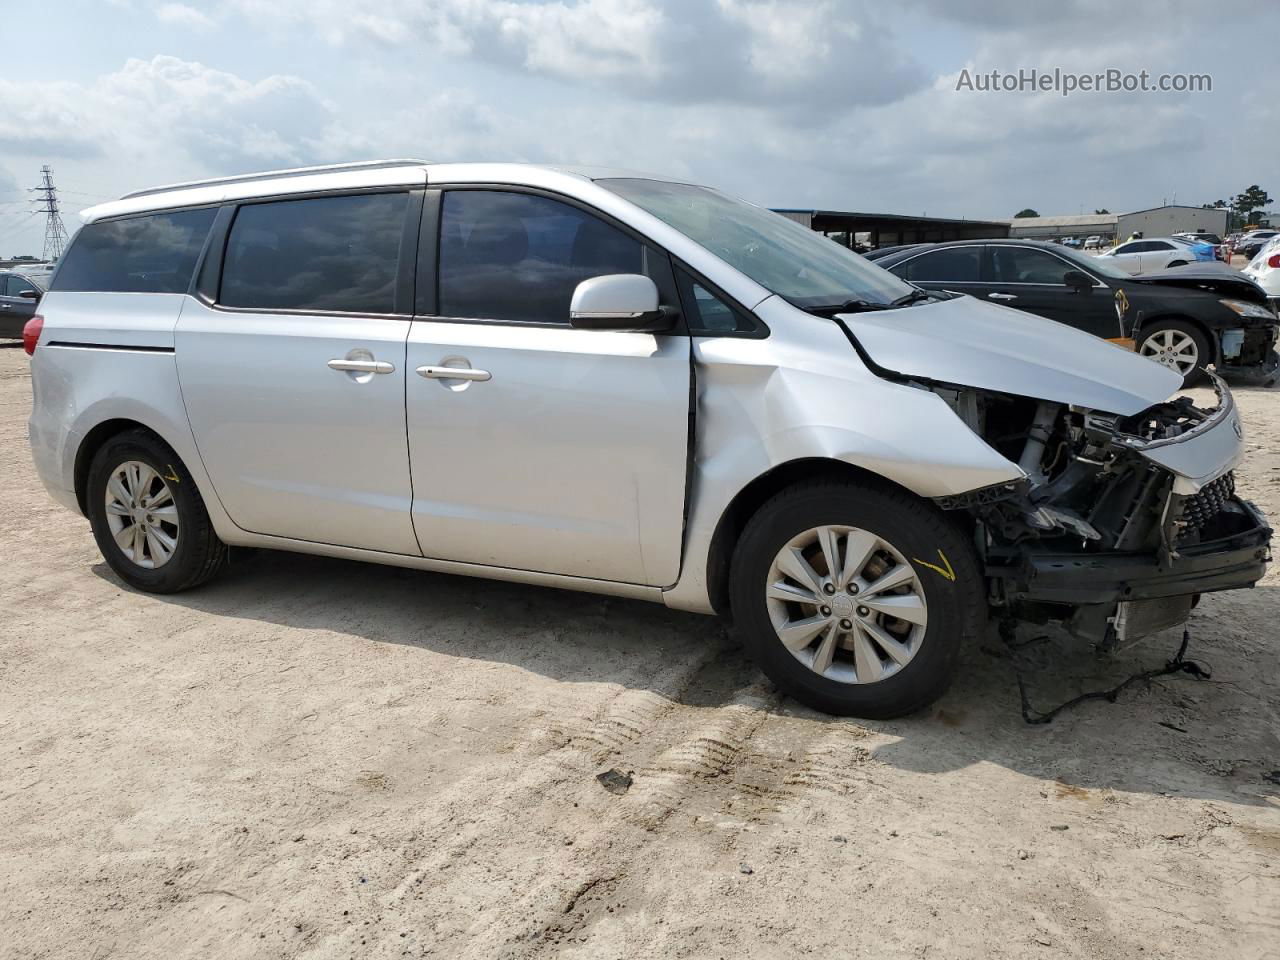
(327, 254)
(19, 285)
(152, 254)
(1025, 265)
(517, 257)
(952, 265)
(782, 256)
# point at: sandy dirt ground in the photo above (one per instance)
(317, 758)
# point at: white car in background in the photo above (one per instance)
(1264, 268)
(1147, 256)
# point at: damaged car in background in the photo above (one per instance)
(627, 385)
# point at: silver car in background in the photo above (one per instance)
(623, 384)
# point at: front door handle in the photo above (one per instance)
(453, 373)
(363, 366)
(1001, 296)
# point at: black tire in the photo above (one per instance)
(1204, 353)
(938, 552)
(198, 554)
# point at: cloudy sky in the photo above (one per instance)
(840, 104)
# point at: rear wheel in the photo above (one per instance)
(148, 517)
(855, 599)
(1178, 345)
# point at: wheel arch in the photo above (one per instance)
(94, 440)
(744, 504)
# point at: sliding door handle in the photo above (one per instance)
(453, 373)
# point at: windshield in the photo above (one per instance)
(1098, 265)
(779, 254)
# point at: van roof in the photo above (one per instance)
(341, 176)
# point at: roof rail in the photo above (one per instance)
(277, 175)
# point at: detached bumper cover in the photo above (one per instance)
(1232, 559)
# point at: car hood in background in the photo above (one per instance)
(1215, 277)
(975, 344)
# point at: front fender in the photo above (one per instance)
(801, 394)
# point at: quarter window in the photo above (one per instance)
(952, 265)
(518, 257)
(151, 254)
(327, 254)
(706, 313)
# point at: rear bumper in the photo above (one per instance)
(1236, 557)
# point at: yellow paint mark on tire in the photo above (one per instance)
(945, 569)
(173, 474)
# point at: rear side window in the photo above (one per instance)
(325, 254)
(953, 265)
(151, 254)
(518, 257)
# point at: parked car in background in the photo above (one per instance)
(19, 294)
(1186, 318)
(1144, 256)
(1071, 242)
(629, 386)
(1264, 268)
(1249, 245)
(1215, 241)
(1092, 243)
(1201, 250)
(879, 252)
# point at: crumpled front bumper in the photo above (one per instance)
(1235, 557)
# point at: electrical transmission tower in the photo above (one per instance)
(55, 233)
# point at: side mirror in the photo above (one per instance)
(30, 294)
(1077, 280)
(619, 301)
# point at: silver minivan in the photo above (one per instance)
(636, 386)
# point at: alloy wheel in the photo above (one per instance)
(1173, 348)
(141, 514)
(847, 604)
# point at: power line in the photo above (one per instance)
(55, 233)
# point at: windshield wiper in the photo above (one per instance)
(915, 296)
(849, 306)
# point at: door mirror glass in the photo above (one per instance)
(1077, 280)
(618, 301)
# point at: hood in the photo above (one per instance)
(1215, 277)
(977, 344)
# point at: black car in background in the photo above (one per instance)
(19, 295)
(1249, 245)
(1185, 317)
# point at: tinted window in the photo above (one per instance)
(707, 313)
(18, 285)
(1160, 245)
(1024, 265)
(517, 257)
(956, 265)
(324, 254)
(152, 254)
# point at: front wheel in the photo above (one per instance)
(855, 598)
(1178, 345)
(148, 517)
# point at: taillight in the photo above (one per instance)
(31, 333)
(1273, 261)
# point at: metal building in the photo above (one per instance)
(1054, 228)
(1166, 221)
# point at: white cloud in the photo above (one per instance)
(181, 15)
